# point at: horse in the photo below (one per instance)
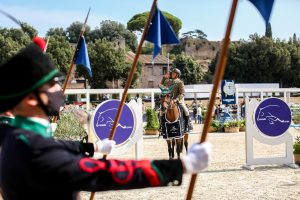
(172, 123)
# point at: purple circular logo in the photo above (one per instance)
(104, 118)
(273, 117)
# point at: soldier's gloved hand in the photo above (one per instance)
(105, 146)
(198, 158)
(53, 127)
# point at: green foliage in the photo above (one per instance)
(11, 42)
(147, 48)
(177, 49)
(296, 145)
(191, 71)
(29, 30)
(112, 31)
(216, 125)
(242, 123)
(73, 31)
(107, 63)
(60, 52)
(152, 120)
(194, 34)
(137, 22)
(57, 31)
(136, 75)
(69, 126)
(263, 60)
(296, 117)
(231, 124)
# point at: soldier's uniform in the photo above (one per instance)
(178, 92)
(36, 166)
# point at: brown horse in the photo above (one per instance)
(172, 115)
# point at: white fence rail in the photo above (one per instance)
(240, 92)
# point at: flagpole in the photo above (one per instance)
(47, 44)
(219, 73)
(72, 61)
(130, 77)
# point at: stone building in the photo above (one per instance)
(152, 72)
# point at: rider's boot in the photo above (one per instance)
(186, 119)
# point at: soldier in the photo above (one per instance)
(6, 117)
(36, 166)
(173, 79)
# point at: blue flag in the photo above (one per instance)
(81, 56)
(160, 32)
(264, 7)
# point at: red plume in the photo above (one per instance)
(40, 42)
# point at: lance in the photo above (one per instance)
(12, 18)
(218, 76)
(72, 61)
(47, 44)
(130, 77)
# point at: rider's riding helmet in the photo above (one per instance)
(177, 71)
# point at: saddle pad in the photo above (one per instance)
(172, 130)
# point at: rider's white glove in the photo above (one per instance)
(104, 146)
(198, 158)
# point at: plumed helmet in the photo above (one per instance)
(177, 71)
(22, 74)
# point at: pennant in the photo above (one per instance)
(81, 56)
(264, 7)
(160, 32)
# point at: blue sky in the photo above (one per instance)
(210, 16)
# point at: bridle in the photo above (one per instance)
(167, 102)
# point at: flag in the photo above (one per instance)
(81, 56)
(264, 7)
(160, 32)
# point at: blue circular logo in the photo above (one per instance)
(273, 117)
(104, 118)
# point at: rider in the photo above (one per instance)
(173, 79)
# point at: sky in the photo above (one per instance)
(210, 16)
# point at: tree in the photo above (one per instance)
(74, 30)
(56, 31)
(11, 42)
(113, 31)
(107, 63)
(137, 22)
(260, 60)
(194, 34)
(268, 31)
(29, 30)
(136, 76)
(191, 71)
(60, 52)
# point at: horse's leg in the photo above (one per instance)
(178, 146)
(181, 145)
(170, 149)
(186, 143)
(173, 148)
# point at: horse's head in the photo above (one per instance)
(165, 97)
(165, 101)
